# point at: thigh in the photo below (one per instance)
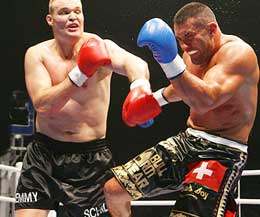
(31, 212)
(84, 178)
(148, 174)
(36, 188)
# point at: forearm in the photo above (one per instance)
(170, 94)
(126, 63)
(136, 69)
(52, 100)
(198, 95)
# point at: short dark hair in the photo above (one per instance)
(196, 10)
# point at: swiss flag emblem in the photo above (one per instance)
(208, 173)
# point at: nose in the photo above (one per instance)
(72, 16)
(184, 46)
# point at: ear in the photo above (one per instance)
(49, 19)
(212, 27)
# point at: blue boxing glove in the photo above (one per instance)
(159, 37)
(147, 124)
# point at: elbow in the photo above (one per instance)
(202, 107)
(144, 69)
(200, 110)
(44, 110)
(147, 73)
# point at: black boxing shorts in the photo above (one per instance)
(203, 170)
(71, 174)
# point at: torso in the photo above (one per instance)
(84, 116)
(233, 119)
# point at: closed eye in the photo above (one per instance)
(64, 11)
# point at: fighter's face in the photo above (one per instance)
(66, 18)
(195, 40)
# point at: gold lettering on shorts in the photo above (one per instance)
(131, 167)
(188, 188)
(158, 164)
(143, 157)
(140, 181)
(137, 176)
(202, 193)
(148, 169)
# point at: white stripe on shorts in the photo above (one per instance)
(217, 139)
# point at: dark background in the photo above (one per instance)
(23, 25)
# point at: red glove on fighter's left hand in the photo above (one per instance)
(140, 105)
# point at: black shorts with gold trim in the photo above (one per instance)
(203, 169)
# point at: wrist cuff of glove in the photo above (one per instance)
(140, 82)
(174, 68)
(77, 77)
(158, 95)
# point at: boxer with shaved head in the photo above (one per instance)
(68, 79)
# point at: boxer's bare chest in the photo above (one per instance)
(58, 68)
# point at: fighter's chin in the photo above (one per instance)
(200, 60)
(73, 29)
(196, 61)
(74, 34)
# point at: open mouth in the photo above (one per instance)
(73, 26)
(192, 52)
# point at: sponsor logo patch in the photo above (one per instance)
(207, 173)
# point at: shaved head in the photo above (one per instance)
(51, 3)
(50, 6)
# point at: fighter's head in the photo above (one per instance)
(197, 31)
(66, 18)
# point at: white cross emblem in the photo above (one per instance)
(202, 171)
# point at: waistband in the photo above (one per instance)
(217, 139)
(70, 147)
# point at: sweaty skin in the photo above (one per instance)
(66, 112)
(82, 115)
(219, 84)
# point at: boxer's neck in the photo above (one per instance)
(67, 49)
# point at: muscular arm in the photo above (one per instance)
(125, 63)
(170, 94)
(235, 62)
(47, 99)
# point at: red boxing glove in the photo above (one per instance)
(141, 104)
(92, 54)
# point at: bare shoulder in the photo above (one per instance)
(87, 35)
(111, 45)
(234, 46)
(115, 49)
(40, 48)
(238, 53)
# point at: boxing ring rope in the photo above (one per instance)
(240, 201)
(16, 170)
(172, 202)
(9, 168)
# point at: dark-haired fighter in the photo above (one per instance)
(217, 78)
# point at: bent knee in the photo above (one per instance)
(114, 191)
